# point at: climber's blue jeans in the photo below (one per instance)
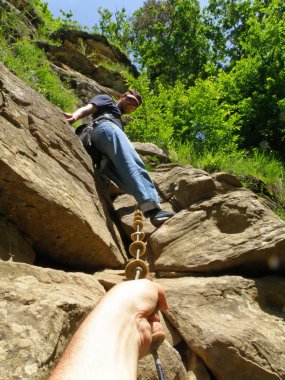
(123, 165)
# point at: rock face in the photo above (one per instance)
(172, 369)
(183, 186)
(221, 258)
(228, 231)
(40, 310)
(86, 88)
(95, 46)
(149, 149)
(230, 327)
(82, 52)
(13, 245)
(235, 325)
(47, 184)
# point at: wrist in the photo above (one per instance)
(122, 318)
(104, 347)
(116, 337)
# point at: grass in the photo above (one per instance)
(20, 54)
(30, 64)
(260, 171)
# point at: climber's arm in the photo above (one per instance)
(116, 333)
(80, 113)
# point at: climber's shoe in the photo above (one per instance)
(158, 216)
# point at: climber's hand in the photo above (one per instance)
(142, 299)
(69, 117)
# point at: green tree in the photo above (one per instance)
(249, 44)
(226, 23)
(67, 22)
(114, 26)
(195, 114)
(168, 40)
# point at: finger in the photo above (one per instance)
(145, 333)
(156, 327)
(162, 301)
(154, 317)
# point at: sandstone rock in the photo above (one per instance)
(108, 278)
(229, 231)
(111, 188)
(149, 149)
(111, 78)
(96, 47)
(124, 206)
(197, 369)
(226, 182)
(13, 245)
(184, 186)
(74, 59)
(40, 310)
(47, 182)
(52, 203)
(171, 334)
(29, 15)
(235, 325)
(171, 362)
(70, 57)
(165, 168)
(86, 88)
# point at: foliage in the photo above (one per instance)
(116, 27)
(208, 120)
(151, 121)
(237, 51)
(115, 67)
(12, 25)
(67, 22)
(225, 23)
(248, 42)
(280, 212)
(168, 40)
(178, 113)
(30, 64)
(50, 23)
(233, 25)
(19, 52)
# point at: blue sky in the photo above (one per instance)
(85, 11)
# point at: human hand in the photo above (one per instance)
(117, 331)
(141, 299)
(69, 117)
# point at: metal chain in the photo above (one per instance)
(137, 269)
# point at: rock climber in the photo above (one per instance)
(115, 334)
(123, 165)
